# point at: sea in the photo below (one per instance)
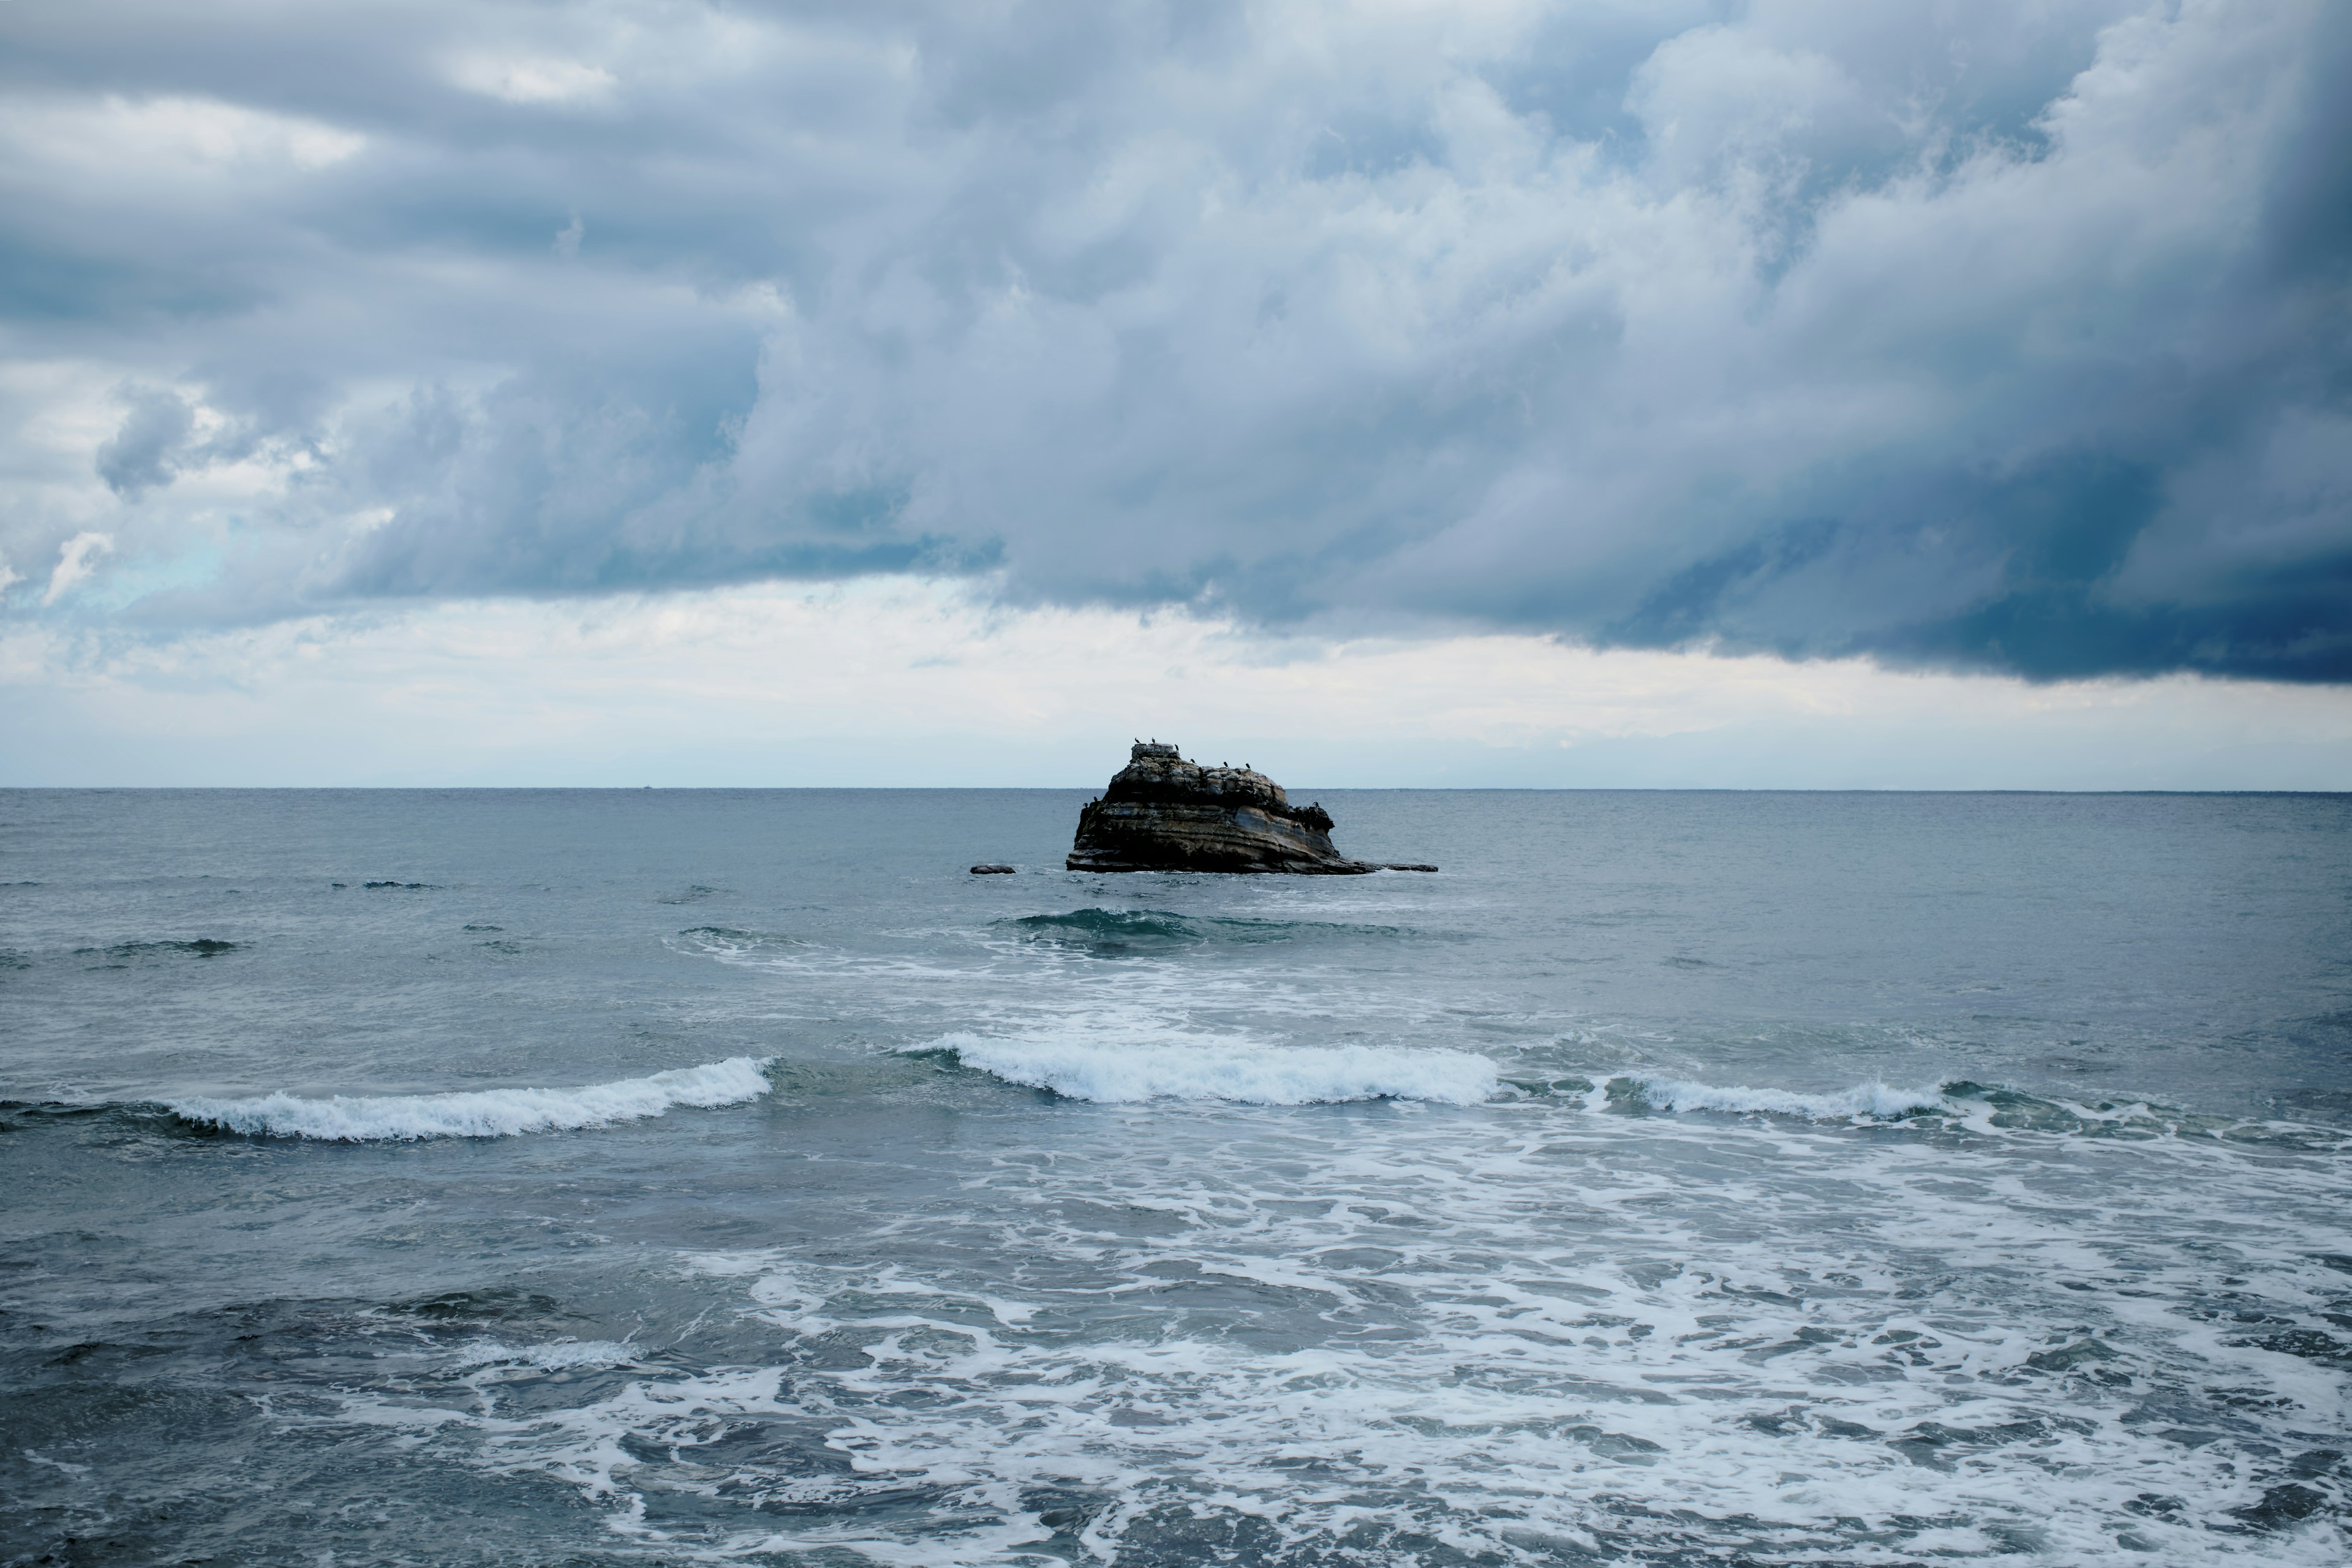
(708, 1176)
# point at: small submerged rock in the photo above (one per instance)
(992, 869)
(1162, 813)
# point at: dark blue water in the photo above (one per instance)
(663, 1176)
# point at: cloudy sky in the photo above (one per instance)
(1799, 392)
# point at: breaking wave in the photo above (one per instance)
(483, 1114)
(1875, 1101)
(1123, 1072)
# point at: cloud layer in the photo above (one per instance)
(886, 681)
(2002, 336)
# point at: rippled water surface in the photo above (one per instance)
(590, 1177)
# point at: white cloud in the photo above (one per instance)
(120, 139)
(77, 559)
(533, 80)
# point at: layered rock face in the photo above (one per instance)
(1164, 814)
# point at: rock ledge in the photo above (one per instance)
(1164, 814)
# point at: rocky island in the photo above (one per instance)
(1164, 814)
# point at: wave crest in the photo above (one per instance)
(1118, 1073)
(1875, 1101)
(483, 1114)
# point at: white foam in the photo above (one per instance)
(564, 1355)
(485, 1113)
(1462, 1331)
(1875, 1101)
(1120, 1071)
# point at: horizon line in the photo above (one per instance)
(1058, 789)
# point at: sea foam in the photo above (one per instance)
(1874, 1100)
(1123, 1071)
(566, 1355)
(484, 1113)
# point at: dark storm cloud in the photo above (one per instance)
(2008, 337)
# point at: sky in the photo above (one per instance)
(1787, 394)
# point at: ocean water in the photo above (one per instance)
(612, 1177)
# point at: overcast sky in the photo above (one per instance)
(1516, 393)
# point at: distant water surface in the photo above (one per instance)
(605, 1177)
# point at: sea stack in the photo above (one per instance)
(1164, 814)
